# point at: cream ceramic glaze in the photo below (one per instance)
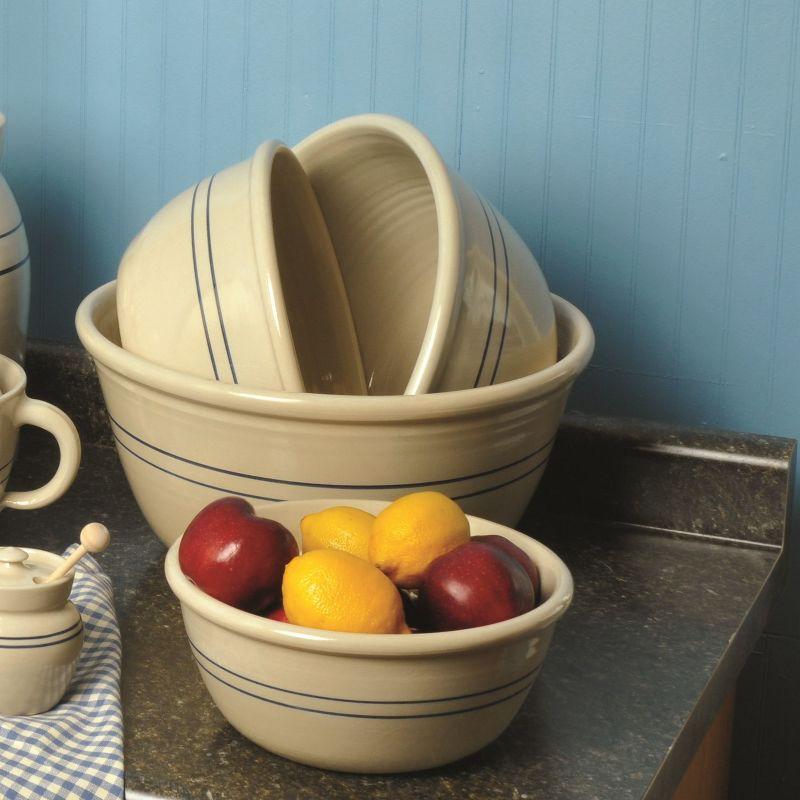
(41, 632)
(15, 271)
(236, 280)
(17, 409)
(444, 294)
(370, 703)
(184, 441)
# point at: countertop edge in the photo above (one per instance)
(723, 679)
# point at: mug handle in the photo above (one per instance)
(55, 421)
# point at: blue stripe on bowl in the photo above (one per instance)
(505, 313)
(312, 485)
(41, 644)
(43, 635)
(192, 480)
(527, 675)
(197, 286)
(366, 716)
(11, 230)
(494, 294)
(16, 266)
(496, 486)
(239, 493)
(214, 280)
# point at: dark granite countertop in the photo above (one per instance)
(660, 628)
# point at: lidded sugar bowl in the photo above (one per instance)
(41, 631)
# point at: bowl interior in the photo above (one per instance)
(316, 303)
(381, 212)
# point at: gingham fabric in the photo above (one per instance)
(74, 752)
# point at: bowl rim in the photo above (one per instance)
(387, 644)
(364, 409)
(262, 202)
(447, 289)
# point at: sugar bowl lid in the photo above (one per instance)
(22, 574)
(18, 568)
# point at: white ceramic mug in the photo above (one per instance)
(17, 409)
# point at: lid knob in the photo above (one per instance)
(12, 563)
(13, 555)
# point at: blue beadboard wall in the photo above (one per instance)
(647, 150)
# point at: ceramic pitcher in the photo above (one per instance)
(15, 271)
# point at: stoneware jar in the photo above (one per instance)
(15, 271)
(41, 632)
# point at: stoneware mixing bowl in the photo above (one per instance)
(15, 271)
(444, 293)
(184, 441)
(370, 702)
(236, 280)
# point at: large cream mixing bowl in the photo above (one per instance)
(184, 441)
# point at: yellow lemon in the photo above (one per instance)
(337, 591)
(338, 528)
(412, 532)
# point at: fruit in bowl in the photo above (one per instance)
(235, 556)
(414, 564)
(475, 584)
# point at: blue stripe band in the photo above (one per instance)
(192, 480)
(44, 644)
(197, 286)
(42, 636)
(363, 702)
(505, 313)
(312, 485)
(366, 716)
(16, 266)
(214, 280)
(494, 295)
(239, 493)
(11, 230)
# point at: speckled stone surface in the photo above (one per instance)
(692, 480)
(659, 629)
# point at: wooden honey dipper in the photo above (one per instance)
(94, 539)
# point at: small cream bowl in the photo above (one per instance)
(371, 703)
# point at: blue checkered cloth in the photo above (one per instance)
(74, 752)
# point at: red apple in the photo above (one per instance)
(235, 556)
(278, 614)
(518, 554)
(475, 584)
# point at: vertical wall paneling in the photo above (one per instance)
(354, 38)
(309, 84)
(440, 70)
(397, 42)
(752, 300)
(183, 132)
(529, 74)
(226, 47)
(784, 386)
(485, 101)
(266, 71)
(102, 151)
(645, 149)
